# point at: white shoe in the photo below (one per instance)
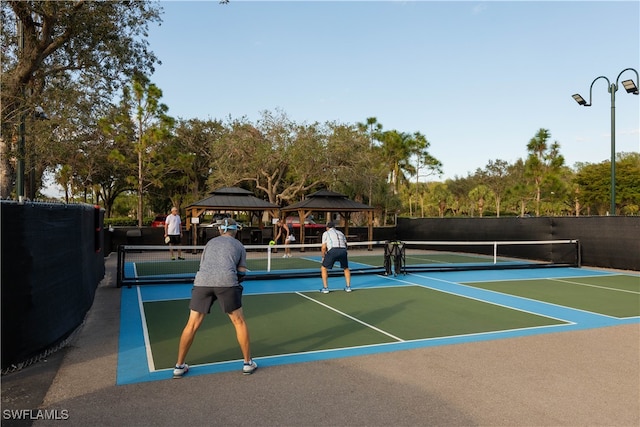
(179, 371)
(248, 368)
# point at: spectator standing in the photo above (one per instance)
(173, 231)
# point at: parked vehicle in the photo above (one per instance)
(158, 221)
(218, 220)
(294, 221)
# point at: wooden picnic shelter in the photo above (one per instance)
(230, 199)
(329, 201)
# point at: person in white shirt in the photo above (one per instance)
(173, 230)
(334, 248)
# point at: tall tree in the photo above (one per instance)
(441, 197)
(373, 131)
(495, 176)
(593, 181)
(481, 195)
(543, 162)
(153, 126)
(94, 44)
(115, 132)
(187, 158)
(277, 156)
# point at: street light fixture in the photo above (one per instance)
(631, 87)
(580, 100)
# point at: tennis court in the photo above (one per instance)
(292, 322)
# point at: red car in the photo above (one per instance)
(158, 221)
(294, 221)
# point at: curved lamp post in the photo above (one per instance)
(631, 87)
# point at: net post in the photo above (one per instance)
(578, 253)
(269, 258)
(495, 253)
(119, 268)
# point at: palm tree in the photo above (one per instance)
(543, 162)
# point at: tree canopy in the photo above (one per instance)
(70, 56)
(108, 136)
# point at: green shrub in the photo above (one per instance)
(125, 221)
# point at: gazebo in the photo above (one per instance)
(230, 199)
(329, 201)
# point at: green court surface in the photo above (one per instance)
(155, 268)
(287, 323)
(615, 295)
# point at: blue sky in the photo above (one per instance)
(478, 79)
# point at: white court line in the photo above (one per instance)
(351, 317)
(145, 333)
(594, 286)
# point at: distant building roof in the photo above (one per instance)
(233, 198)
(325, 200)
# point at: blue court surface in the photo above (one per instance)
(136, 359)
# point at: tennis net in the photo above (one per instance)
(153, 264)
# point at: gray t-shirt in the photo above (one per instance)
(220, 259)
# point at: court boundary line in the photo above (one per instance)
(531, 300)
(593, 286)
(351, 317)
(596, 274)
(145, 332)
(479, 299)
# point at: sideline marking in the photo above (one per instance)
(145, 332)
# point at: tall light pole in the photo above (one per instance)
(631, 87)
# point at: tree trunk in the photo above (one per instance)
(6, 170)
(140, 187)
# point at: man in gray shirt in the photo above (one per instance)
(222, 269)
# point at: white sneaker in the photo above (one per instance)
(179, 371)
(347, 289)
(324, 290)
(248, 368)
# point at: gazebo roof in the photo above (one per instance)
(233, 198)
(328, 201)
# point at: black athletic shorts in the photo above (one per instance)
(174, 239)
(203, 297)
(333, 255)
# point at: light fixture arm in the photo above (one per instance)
(609, 88)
